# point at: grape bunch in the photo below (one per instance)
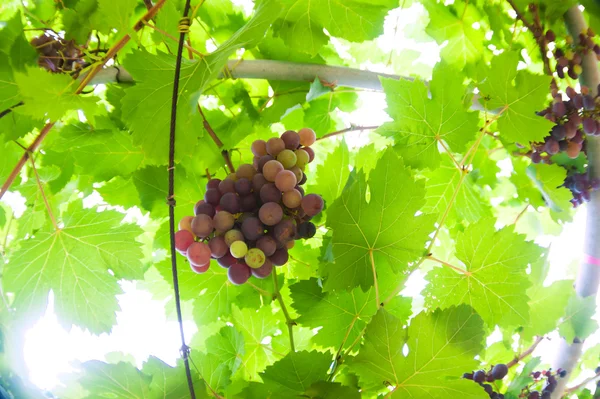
(57, 55)
(249, 220)
(497, 372)
(569, 57)
(544, 380)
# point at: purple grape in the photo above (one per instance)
(291, 139)
(499, 371)
(312, 204)
(307, 230)
(571, 93)
(218, 247)
(270, 213)
(203, 208)
(230, 202)
(536, 157)
(202, 225)
(589, 125)
(270, 193)
(252, 228)
(588, 103)
(267, 244)
(479, 376)
(243, 186)
(284, 231)
(227, 186)
(578, 138)
(226, 260)
(263, 160)
(238, 273)
(248, 203)
(258, 181)
(558, 132)
(551, 146)
(264, 271)
(280, 257)
(559, 109)
(578, 101)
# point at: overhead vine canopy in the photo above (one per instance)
(478, 154)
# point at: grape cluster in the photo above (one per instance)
(569, 57)
(482, 377)
(546, 380)
(56, 54)
(248, 221)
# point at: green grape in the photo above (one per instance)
(238, 249)
(302, 158)
(233, 235)
(287, 158)
(255, 258)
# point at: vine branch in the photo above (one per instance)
(346, 130)
(525, 353)
(582, 384)
(288, 320)
(224, 153)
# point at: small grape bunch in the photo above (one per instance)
(56, 54)
(532, 391)
(249, 220)
(497, 372)
(569, 57)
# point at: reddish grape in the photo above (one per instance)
(578, 101)
(200, 269)
(226, 260)
(311, 153)
(270, 193)
(280, 257)
(589, 125)
(230, 202)
(243, 186)
(536, 157)
(312, 204)
(238, 273)
(258, 181)
(291, 139)
(262, 161)
(307, 136)
(245, 171)
(213, 183)
(218, 247)
(204, 208)
(551, 147)
(573, 150)
(259, 148)
(223, 221)
(292, 199)
(186, 223)
(285, 180)
(267, 244)
(202, 225)
(212, 196)
(284, 231)
(270, 213)
(271, 169)
(227, 186)
(198, 254)
(571, 93)
(264, 271)
(275, 145)
(183, 239)
(559, 109)
(252, 228)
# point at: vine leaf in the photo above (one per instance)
(420, 122)
(8, 159)
(441, 346)
(291, 376)
(332, 175)
(342, 315)
(331, 390)
(170, 382)
(228, 346)
(81, 262)
(116, 15)
(121, 380)
(578, 322)
(521, 94)
(385, 226)
(495, 280)
(215, 373)
(146, 106)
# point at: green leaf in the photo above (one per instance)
(522, 379)
(171, 382)
(317, 89)
(50, 96)
(578, 322)
(215, 373)
(494, 281)
(107, 381)
(318, 115)
(120, 191)
(520, 94)
(9, 91)
(10, 157)
(332, 174)
(342, 316)
(81, 20)
(421, 123)
(549, 180)
(117, 15)
(331, 390)
(384, 229)
(228, 347)
(74, 261)
(441, 346)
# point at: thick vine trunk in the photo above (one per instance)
(588, 276)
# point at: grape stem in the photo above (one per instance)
(441, 262)
(582, 384)
(288, 320)
(525, 353)
(43, 193)
(218, 142)
(110, 54)
(346, 130)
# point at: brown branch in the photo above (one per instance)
(218, 142)
(526, 353)
(148, 4)
(346, 130)
(87, 78)
(582, 384)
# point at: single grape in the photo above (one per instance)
(300, 189)
(226, 260)
(578, 101)
(303, 180)
(307, 136)
(200, 269)
(258, 181)
(270, 193)
(198, 254)
(262, 161)
(243, 186)
(307, 230)
(573, 150)
(534, 395)
(571, 93)
(238, 273)
(572, 72)
(264, 271)
(186, 223)
(218, 247)
(292, 198)
(559, 109)
(558, 132)
(223, 221)
(202, 225)
(479, 376)
(267, 244)
(570, 129)
(272, 169)
(212, 196)
(227, 186)
(291, 139)
(232, 236)
(248, 203)
(551, 147)
(279, 257)
(183, 239)
(588, 102)
(563, 373)
(259, 148)
(488, 388)
(213, 183)
(275, 145)
(536, 157)
(285, 180)
(255, 258)
(270, 213)
(238, 249)
(252, 228)
(589, 125)
(230, 202)
(297, 172)
(301, 158)
(550, 35)
(245, 171)
(284, 231)
(287, 158)
(204, 208)
(312, 204)
(290, 244)
(499, 371)
(563, 145)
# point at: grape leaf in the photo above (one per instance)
(420, 122)
(291, 376)
(549, 181)
(342, 316)
(384, 228)
(494, 281)
(316, 90)
(9, 158)
(522, 379)
(228, 346)
(170, 382)
(82, 19)
(9, 91)
(441, 346)
(519, 101)
(74, 261)
(117, 15)
(578, 322)
(50, 96)
(331, 176)
(215, 373)
(120, 191)
(331, 390)
(122, 380)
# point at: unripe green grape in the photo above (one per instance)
(238, 249)
(232, 236)
(255, 258)
(287, 158)
(301, 158)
